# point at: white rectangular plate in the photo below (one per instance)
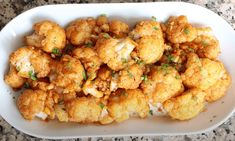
(11, 38)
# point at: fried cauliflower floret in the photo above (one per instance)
(118, 28)
(31, 103)
(179, 30)
(37, 103)
(126, 103)
(13, 79)
(68, 74)
(47, 35)
(130, 78)
(101, 85)
(207, 46)
(162, 83)
(30, 62)
(115, 52)
(89, 59)
(150, 49)
(80, 31)
(83, 110)
(60, 110)
(61, 113)
(42, 84)
(187, 105)
(147, 28)
(201, 73)
(51, 99)
(101, 20)
(219, 89)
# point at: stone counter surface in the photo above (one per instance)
(225, 132)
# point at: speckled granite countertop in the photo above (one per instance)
(225, 8)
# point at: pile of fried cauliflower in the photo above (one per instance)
(101, 71)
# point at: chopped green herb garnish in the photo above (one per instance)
(164, 66)
(130, 74)
(124, 60)
(138, 61)
(26, 85)
(56, 51)
(170, 58)
(190, 49)
(186, 31)
(151, 112)
(204, 43)
(144, 78)
(32, 75)
(106, 36)
(155, 28)
(18, 68)
(89, 44)
(154, 18)
(113, 73)
(177, 77)
(102, 105)
(84, 75)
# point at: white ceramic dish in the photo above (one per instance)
(11, 38)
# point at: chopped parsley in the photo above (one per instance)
(138, 61)
(204, 43)
(84, 75)
(56, 51)
(124, 60)
(106, 36)
(144, 78)
(154, 18)
(18, 68)
(164, 66)
(177, 77)
(170, 58)
(186, 31)
(113, 73)
(151, 112)
(32, 75)
(130, 74)
(155, 28)
(89, 44)
(26, 85)
(102, 105)
(190, 49)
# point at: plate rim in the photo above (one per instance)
(116, 135)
